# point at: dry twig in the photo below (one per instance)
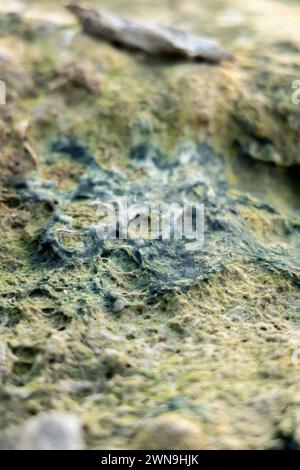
(150, 38)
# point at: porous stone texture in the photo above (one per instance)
(131, 336)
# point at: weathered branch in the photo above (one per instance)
(150, 38)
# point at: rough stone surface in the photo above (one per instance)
(123, 332)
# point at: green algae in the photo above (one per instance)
(187, 319)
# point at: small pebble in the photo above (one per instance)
(170, 431)
(119, 305)
(51, 431)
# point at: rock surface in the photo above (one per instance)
(172, 432)
(120, 333)
(47, 431)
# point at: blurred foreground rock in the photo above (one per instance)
(170, 432)
(46, 431)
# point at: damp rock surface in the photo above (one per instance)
(134, 337)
